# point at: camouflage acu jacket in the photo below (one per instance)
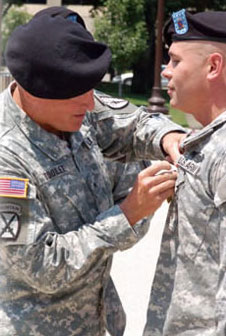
(59, 226)
(188, 296)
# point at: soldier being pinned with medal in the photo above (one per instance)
(188, 295)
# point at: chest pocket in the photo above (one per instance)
(92, 166)
(77, 194)
(93, 169)
(196, 225)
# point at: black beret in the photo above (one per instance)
(53, 56)
(62, 11)
(207, 26)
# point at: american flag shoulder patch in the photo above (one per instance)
(13, 187)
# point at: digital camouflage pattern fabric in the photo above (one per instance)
(188, 292)
(58, 238)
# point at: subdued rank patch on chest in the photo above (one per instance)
(189, 165)
(113, 103)
(9, 221)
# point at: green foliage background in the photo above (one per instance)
(129, 29)
(127, 26)
(13, 18)
(123, 28)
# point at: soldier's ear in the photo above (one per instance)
(215, 66)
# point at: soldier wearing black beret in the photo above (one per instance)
(203, 26)
(189, 290)
(54, 57)
(59, 224)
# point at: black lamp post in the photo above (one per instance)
(156, 101)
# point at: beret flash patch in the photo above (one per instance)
(180, 22)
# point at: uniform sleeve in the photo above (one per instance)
(221, 286)
(220, 203)
(133, 134)
(33, 249)
(123, 176)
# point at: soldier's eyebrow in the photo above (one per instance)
(171, 53)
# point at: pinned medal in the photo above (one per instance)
(167, 171)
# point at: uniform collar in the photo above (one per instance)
(47, 142)
(195, 138)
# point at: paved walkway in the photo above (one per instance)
(133, 272)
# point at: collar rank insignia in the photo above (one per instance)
(9, 221)
(180, 22)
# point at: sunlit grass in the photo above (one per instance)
(136, 99)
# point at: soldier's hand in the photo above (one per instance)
(151, 188)
(171, 145)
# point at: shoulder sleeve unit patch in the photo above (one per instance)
(112, 102)
(9, 221)
(13, 187)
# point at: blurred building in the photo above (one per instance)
(83, 10)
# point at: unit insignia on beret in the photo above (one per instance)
(72, 17)
(180, 22)
(201, 26)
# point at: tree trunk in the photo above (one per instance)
(143, 72)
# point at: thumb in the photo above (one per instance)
(174, 153)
